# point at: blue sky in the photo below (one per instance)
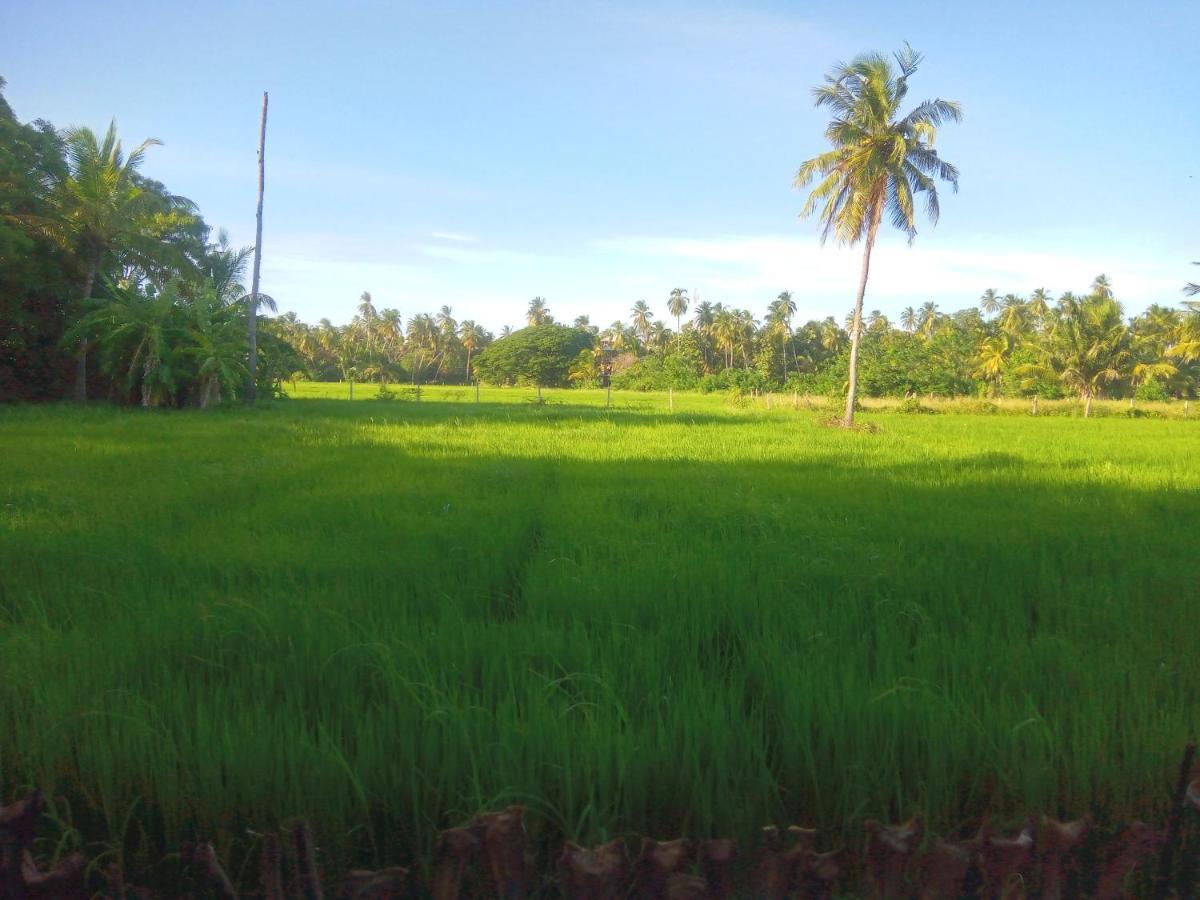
(601, 153)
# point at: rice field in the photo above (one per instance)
(388, 616)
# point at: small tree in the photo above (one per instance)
(541, 355)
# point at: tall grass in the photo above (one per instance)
(389, 616)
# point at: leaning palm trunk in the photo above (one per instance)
(856, 326)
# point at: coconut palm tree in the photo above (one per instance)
(366, 307)
(879, 161)
(992, 358)
(779, 318)
(677, 305)
(1185, 341)
(1086, 348)
(927, 318)
(1013, 318)
(137, 332)
(1102, 287)
(639, 317)
(1142, 372)
(908, 319)
(537, 313)
(472, 337)
(1039, 307)
(989, 303)
(421, 339)
(1190, 288)
(103, 206)
(831, 335)
(218, 347)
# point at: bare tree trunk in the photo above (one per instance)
(252, 319)
(1087, 406)
(80, 392)
(856, 327)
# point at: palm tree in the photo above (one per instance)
(1087, 347)
(677, 305)
(877, 321)
(927, 318)
(136, 332)
(218, 346)
(223, 267)
(908, 319)
(639, 317)
(366, 308)
(724, 332)
(1039, 307)
(472, 337)
(990, 363)
(779, 315)
(1148, 371)
(703, 319)
(103, 206)
(659, 335)
(831, 335)
(537, 313)
(1102, 287)
(1012, 319)
(1192, 289)
(990, 302)
(879, 161)
(422, 341)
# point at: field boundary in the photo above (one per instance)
(491, 856)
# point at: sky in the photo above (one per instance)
(599, 153)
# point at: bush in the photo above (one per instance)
(912, 406)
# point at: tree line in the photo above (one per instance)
(111, 286)
(1078, 344)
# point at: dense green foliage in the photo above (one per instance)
(390, 616)
(540, 354)
(110, 281)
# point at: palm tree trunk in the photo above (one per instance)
(856, 327)
(1087, 405)
(252, 319)
(89, 282)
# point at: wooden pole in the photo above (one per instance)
(252, 322)
(671, 398)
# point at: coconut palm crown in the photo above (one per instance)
(881, 159)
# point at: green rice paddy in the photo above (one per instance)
(388, 616)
